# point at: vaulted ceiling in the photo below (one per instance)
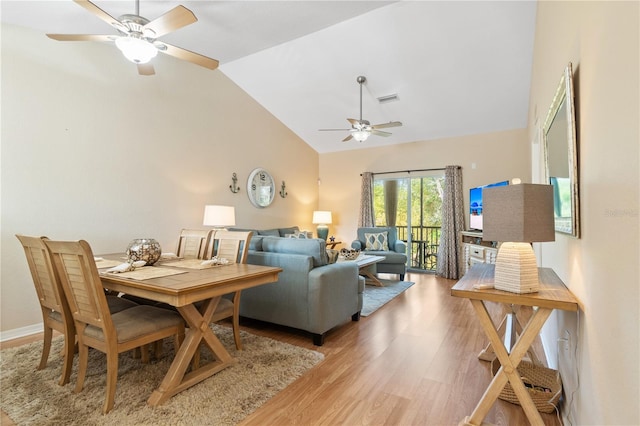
(457, 67)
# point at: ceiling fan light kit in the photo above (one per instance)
(137, 39)
(362, 129)
(136, 49)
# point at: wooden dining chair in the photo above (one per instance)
(193, 243)
(95, 326)
(233, 246)
(53, 304)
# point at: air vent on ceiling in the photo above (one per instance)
(388, 98)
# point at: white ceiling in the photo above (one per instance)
(458, 68)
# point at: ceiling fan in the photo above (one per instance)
(362, 129)
(138, 36)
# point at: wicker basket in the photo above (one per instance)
(543, 384)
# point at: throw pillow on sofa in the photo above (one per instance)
(377, 242)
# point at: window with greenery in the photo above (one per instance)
(415, 206)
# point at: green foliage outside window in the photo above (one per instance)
(426, 203)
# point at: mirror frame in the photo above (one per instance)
(564, 97)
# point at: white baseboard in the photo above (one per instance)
(21, 332)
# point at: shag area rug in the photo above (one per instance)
(263, 368)
(375, 297)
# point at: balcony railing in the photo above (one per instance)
(423, 252)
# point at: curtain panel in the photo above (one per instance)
(366, 201)
(391, 201)
(449, 259)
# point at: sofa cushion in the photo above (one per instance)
(392, 235)
(316, 248)
(377, 241)
(269, 232)
(255, 243)
(283, 232)
(389, 256)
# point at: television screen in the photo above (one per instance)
(475, 204)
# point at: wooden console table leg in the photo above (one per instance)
(487, 354)
(508, 371)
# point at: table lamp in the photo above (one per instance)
(517, 215)
(219, 216)
(322, 219)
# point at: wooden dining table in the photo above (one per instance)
(181, 286)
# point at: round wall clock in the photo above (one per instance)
(261, 188)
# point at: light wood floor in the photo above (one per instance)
(413, 362)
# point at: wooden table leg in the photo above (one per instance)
(487, 354)
(176, 380)
(370, 277)
(508, 371)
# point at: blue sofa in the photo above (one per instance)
(311, 294)
(395, 261)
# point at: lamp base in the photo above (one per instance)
(516, 269)
(323, 232)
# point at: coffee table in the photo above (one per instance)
(364, 262)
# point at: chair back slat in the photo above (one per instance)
(193, 243)
(78, 273)
(45, 280)
(231, 245)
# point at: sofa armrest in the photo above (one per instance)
(400, 247)
(356, 244)
(333, 295)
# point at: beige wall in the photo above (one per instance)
(484, 159)
(601, 369)
(91, 150)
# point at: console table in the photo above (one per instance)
(552, 295)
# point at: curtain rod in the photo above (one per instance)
(409, 171)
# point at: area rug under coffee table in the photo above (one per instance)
(263, 368)
(375, 297)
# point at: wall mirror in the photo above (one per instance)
(561, 156)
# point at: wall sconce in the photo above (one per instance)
(234, 186)
(283, 193)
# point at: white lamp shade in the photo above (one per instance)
(321, 217)
(219, 216)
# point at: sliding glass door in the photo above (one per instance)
(413, 204)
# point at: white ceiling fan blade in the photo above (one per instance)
(348, 138)
(187, 55)
(99, 12)
(80, 37)
(174, 19)
(387, 125)
(379, 133)
(353, 121)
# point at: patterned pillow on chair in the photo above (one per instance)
(377, 241)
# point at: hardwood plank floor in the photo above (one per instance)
(413, 362)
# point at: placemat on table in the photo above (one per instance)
(148, 272)
(106, 263)
(191, 264)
